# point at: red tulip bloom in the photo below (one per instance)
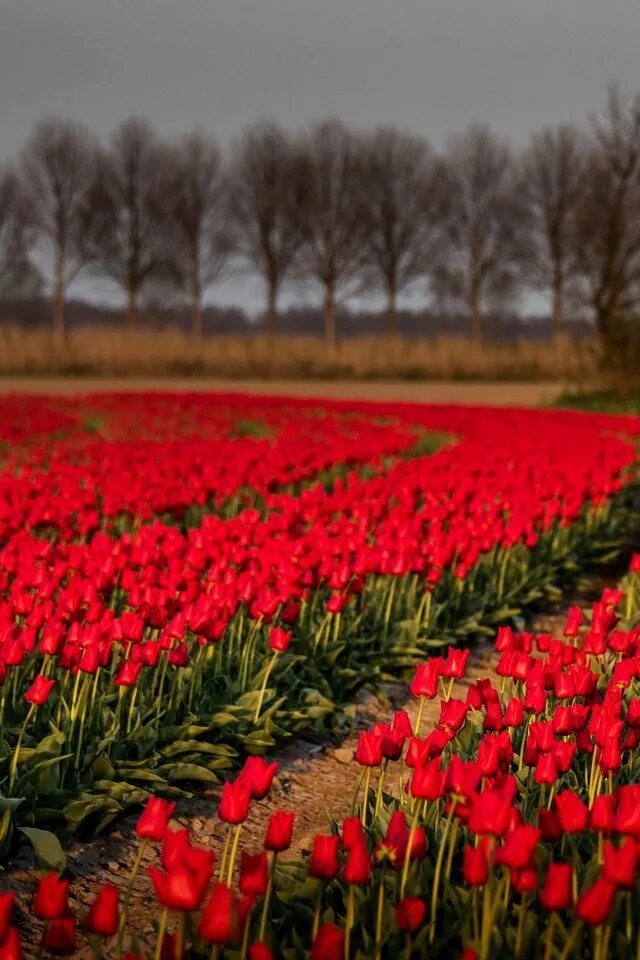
(103, 916)
(489, 813)
(357, 868)
(52, 897)
(428, 781)
(475, 865)
(6, 911)
(620, 865)
(279, 831)
(218, 921)
(258, 775)
(410, 914)
(254, 873)
(234, 802)
(628, 813)
(328, 944)
(556, 893)
(279, 639)
(425, 680)
(324, 862)
(39, 691)
(602, 814)
(369, 749)
(518, 847)
(260, 951)
(10, 947)
(60, 936)
(128, 673)
(154, 820)
(571, 811)
(352, 832)
(595, 904)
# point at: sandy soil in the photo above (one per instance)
(495, 394)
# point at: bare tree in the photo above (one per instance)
(608, 230)
(403, 206)
(264, 206)
(333, 214)
(17, 272)
(58, 167)
(553, 180)
(127, 237)
(197, 219)
(485, 224)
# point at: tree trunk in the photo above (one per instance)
(557, 310)
(392, 315)
(476, 318)
(329, 316)
(58, 307)
(198, 320)
(132, 309)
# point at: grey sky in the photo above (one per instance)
(427, 65)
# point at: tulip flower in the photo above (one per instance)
(39, 691)
(10, 946)
(254, 873)
(410, 914)
(234, 802)
(279, 831)
(154, 820)
(328, 943)
(52, 897)
(258, 775)
(324, 862)
(103, 916)
(60, 936)
(217, 923)
(596, 902)
(7, 901)
(556, 893)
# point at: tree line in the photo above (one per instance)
(351, 211)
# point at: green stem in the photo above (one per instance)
(264, 685)
(267, 898)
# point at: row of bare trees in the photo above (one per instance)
(353, 212)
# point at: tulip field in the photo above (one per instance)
(187, 582)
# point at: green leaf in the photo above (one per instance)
(47, 848)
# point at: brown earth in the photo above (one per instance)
(494, 394)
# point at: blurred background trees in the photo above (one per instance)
(341, 213)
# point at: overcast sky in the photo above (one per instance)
(427, 65)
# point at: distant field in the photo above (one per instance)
(493, 394)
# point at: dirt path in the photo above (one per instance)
(495, 394)
(314, 779)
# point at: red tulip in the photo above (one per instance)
(357, 867)
(279, 831)
(60, 936)
(556, 893)
(103, 916)
(258, 775)
(571, 811)
(323, 862)
(154, 820)
(328, 944)
(39, 691)
(6, 911)
(51, 899)
(410, 914)
(475, 865)
(595, 904)
(218, 920)
(254, 873)
(234, 802)
(279, 639)
(10, 947)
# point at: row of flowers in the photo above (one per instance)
(152, 658)
(510, 829)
